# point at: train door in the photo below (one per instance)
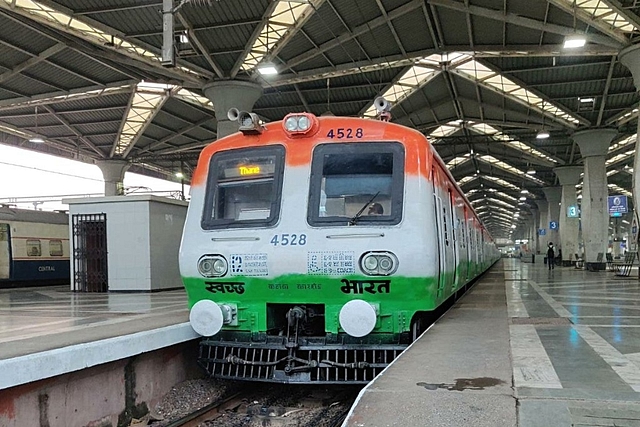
(440, 239)
(464, 239)
(454, 239)
(5, 252)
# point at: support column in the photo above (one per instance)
(594, 144)
(535, 220)
(630, 58)
(553, 195)
(543, 218)
(568, 176)
(113, 173)
(231, 94)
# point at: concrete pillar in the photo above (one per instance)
(535, 220)
(553, 196)
(630, 58)
(568, 176)
(113, 173)
(543, 224)
(231, 94)
(594, 144)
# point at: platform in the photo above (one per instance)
(51, 331)
(526, 346)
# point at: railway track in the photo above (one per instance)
(275, 406)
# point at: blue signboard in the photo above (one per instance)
(572, 211)
(553, 225)
(542, 231)
(617, 205)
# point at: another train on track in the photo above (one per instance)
(316, 249)
(34, 247)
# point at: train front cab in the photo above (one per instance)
(312, 287)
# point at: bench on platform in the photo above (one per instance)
(623, 268)
(598, 265)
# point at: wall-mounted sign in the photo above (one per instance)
(617, 205)
(553, 225)
(572, 211)
(542, 231)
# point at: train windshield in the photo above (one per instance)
(244, 188)
(356, 184)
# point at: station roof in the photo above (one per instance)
(481, 77)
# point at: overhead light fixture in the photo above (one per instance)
(531, 172)
(574, 41)
(267, 70)
(543, 134)
(585, 100)
(36, 139)
(523, 191)
(522, 198)
(179, 175)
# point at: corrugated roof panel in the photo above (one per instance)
(26, 86)
(375, 44)
(97, 103)
(85, 66)
(48, 73)
(132, 20)
(10, 57)
(16, 34)
(220, 11)
(323, 26)
(413, 31)
(94, 116)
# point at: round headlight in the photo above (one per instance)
(304, 123)
(219, 266)
(291, 124)
(370, 263)
(385, 263)
(205, 266)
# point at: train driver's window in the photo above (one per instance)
(55, 248)
(34, 248)
(244, 188)
(356, 184)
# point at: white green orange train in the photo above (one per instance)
(316, 248)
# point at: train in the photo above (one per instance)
(316, 249)
(34, 247)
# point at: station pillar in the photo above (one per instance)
(543, 224)
(594, 145)
(569, 176)
(231, 94)
(535, 220)
(113, 174)
(553, 195)
(630, 58)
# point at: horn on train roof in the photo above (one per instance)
(383, 107)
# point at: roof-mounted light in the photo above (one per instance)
(300, 124)
(249, 122)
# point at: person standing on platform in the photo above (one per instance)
(551, 256)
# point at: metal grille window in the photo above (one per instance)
(34, 247)
(90, 252)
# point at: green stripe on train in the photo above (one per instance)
(398, 297)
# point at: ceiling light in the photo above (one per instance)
(531, 172)
(179, 175)
(523, 198)
(523, 191)
(36, 140)
(543, 134)
(585, 100)
(267, 70)
(574, 41)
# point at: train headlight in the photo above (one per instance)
(358, 318)
(212, 266)
(300, 124)
(378, 263)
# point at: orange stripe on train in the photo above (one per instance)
(299, 150)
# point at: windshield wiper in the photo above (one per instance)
(357, 216)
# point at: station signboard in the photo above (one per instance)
(542, 231)
(572, 211)
(617, 205)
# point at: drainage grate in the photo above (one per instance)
(540, 321)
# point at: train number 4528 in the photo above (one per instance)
(286, 239)
(345, 133)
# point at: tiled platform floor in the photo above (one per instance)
(565, 342)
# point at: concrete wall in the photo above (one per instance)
(107, 395)
(166, 224)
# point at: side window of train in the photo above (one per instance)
(356, 184)
(55, 248)
(34, 247)
(244, 188)
(4, 232)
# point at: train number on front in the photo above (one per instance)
(286, 239)
(345, 133)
